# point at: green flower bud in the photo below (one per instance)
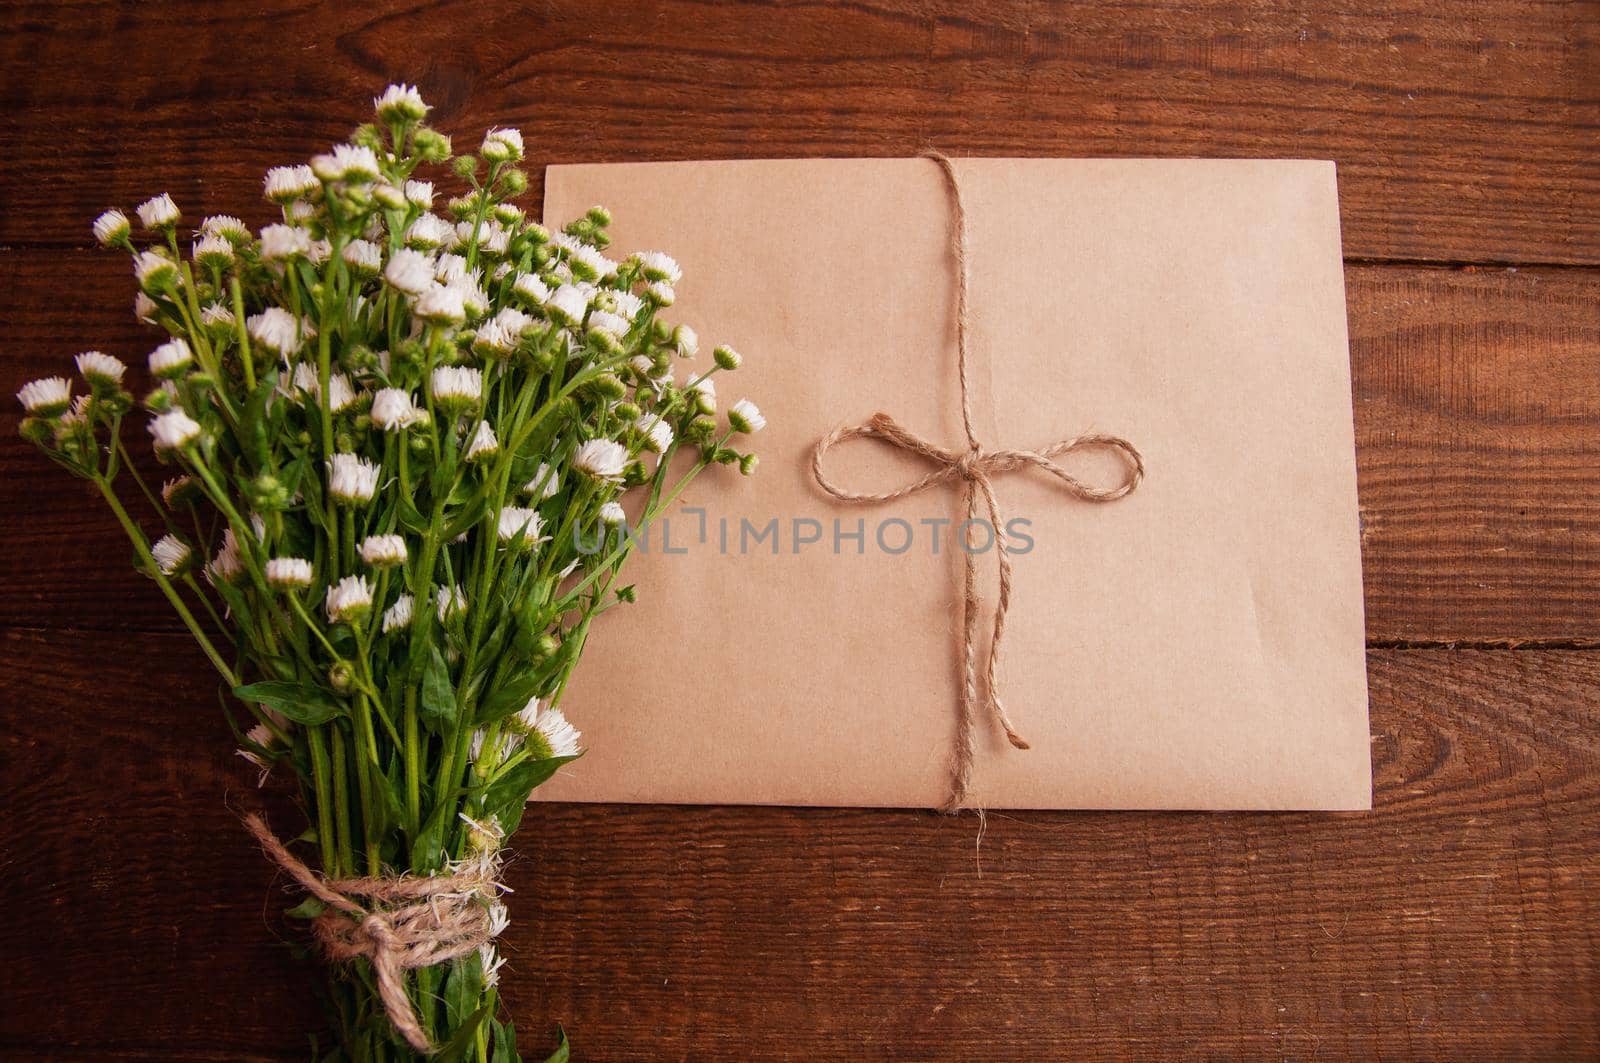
(598, 216)
(367, 136)
(35, 430)
(515, 182)
(610, 386)
(342, 677)
(748, 463)
(546, 646)
(726, 357)
(627, 594)
(158, 401)
(700, 429)
(464, 166)
(725, 456)
(431, 145)
(627, 411)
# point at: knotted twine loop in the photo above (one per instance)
(396, 923)
(976, 466)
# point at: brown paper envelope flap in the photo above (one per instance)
(1198, 644)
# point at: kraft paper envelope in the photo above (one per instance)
(1198, 644)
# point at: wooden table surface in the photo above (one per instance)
(1456, 921)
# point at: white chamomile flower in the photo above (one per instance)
(281, 242)
(441, 305)
(171, 554)
(502, 145)
(398, 615)
(174, 430)
(704, 389)
(388, 196)
(154, 270)
(394, 409)
(601, 458)
(519, 519)
(659, 266)
(492, 236)
(100, 368)
(456, 385)
(383, 551)
(428, 232)
(213, 251)
(612, 513)
(484, 444)
(145, 308)
(217, 316)
(228, 565)
(657, 433)
(289, 573)
(409, 272)
(226, 226)
(340, 393)
(627, 304)
(567, 305)
(490, 960)
(474, 300)
(349, 599)
(352, 479)
(499, 917)
(492, 340)
(400, 103)
(284, 184)
(513, 322)
(420, 194)
(745, 417)
(277, 330)
(178, 491)
(559, 738)
(530, 289)
(662, 293)
(546, 482)
(111, 228)
(158, 212)
(686, 341)
(588, 263)
(726, 357)
(450, 266)
(172, 359)
(452, 601)
(346, 162)
(299, 213)
(363, 257)
(304, 383)
(612, 325)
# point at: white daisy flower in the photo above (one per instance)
(546, 482)
(174, 429)
(612, 513)
(171, 359)
(217, 316)
(492, 340)
(726, 357)
(441, 305)
(349, 599)
(340, 393)
(228, 565)
(560, 737)
(300, 212)
(745, 417)
(567, 305)
(451, 601)
(304, 383)
(420, 194)
(409, 272)
(484, 444)
(661, 293)
(212, 250)
(457, 385)
(144, 308)
(394, 409)
(612, 325)
(657, 433)
(659, 266)
(400, 103)
(154, 270)
(530, 289)
(705, 390)
(601, 458)
(281, 242)
(352, 479)
(428, 232)
(499, 919)
(347, 162)
(474, 300)
(111, 228)
(514, 519)
(398, 615)
(383, 551)
(226, 226)
(587, 262)
(490, 960)
(363, 257)
(627, 304)
(289, 573)
(450, 267)
(502, 145)
(100, 368)
(513, 322)
(263, 737)
(171, 554)
(284, 184)
(277, 330)
(158, 212)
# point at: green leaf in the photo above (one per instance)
(309, 908)
(464, 1039)
(463, 988)
(507, 796)
(505, 1044)
(438, 696)
(563, 1051)
(511, 697)
(299, 702)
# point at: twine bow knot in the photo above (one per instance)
(405, 923)
(976, 466)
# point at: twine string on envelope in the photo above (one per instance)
(977, 466)
(396, 923)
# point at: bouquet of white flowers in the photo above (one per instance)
(405, 441)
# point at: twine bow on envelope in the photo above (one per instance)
(977, 466)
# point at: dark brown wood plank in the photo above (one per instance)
(1477, 404)
(1455, 921)
(1465, 131)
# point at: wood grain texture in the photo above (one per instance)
(1464, 131)
(1477, 404)
(1456, 921)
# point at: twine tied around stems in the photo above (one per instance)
(976, 465)
(397, 923)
